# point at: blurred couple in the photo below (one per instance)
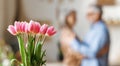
(94, 48)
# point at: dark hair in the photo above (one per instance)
(66, 18)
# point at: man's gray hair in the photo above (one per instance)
(97, 8)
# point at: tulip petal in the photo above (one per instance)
(51, 31)
(17, 26)
(26, 27)
(37, 27)
(43, 29)
(11, 29)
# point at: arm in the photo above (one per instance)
(92, 45)
(103, 51)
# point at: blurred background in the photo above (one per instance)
(48, 11)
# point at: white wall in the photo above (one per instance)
(43, 10)
(115, 45)
(113, 12)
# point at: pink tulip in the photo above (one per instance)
(17, 26)
(12, 30)
(51, 31)
(26, 28)
(32, 27)
(43, 29)
(23, 24)
(37, 27)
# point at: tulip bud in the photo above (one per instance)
(43, 29)
(23, 24)
(37, 27)
(50, 31)
(26, 27)
(31, 26)
(17, 26)
(12, 30)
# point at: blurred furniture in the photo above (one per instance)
(113, 22)
(106, 2)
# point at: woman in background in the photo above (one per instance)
(71, 58)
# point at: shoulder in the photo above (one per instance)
(101, 29)
(101, 26)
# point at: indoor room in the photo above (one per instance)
(60, 32)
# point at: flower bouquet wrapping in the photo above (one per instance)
(31, 37)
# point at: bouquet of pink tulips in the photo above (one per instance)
(31, 37)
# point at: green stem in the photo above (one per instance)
(44, 38)
(31, 43)
(22, 50)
